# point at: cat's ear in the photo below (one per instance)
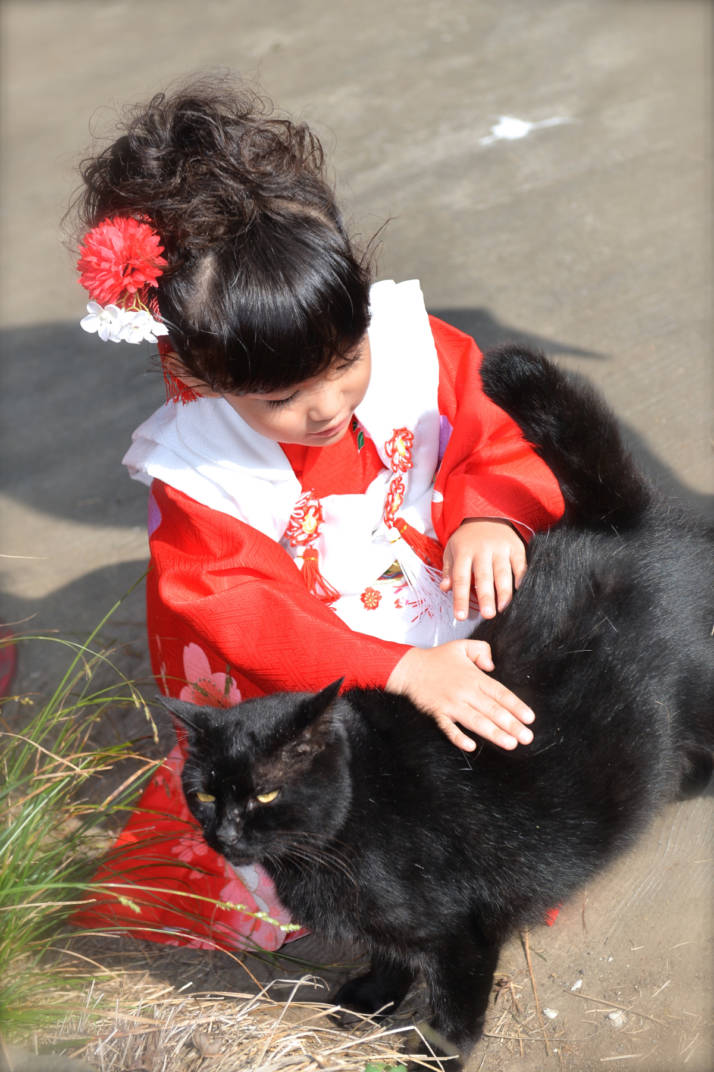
(189, 715)
(323, 699)
(313, 716)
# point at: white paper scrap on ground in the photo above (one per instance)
(508, 128)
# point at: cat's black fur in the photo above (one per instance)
(382, 831)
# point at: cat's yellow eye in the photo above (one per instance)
(267, 798)
(205, 798)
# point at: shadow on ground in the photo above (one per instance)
(62, 444)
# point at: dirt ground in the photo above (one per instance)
(546, 171)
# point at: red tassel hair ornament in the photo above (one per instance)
(176, 389)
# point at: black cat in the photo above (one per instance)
(375, 827)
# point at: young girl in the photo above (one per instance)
(331, 491)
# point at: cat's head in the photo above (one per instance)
(267, 776)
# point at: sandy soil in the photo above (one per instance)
(589, 236)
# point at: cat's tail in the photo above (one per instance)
(573, 431)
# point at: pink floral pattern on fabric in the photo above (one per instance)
(206, 687)
(251, 885)
(191, 849)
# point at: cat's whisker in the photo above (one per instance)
(274, 861)
(328, 860)
(333, 854)
(315, 854)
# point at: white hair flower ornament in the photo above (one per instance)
(113, 324)
(120, 262)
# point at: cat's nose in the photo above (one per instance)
(228, 831)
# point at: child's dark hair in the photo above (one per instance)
(263, 287)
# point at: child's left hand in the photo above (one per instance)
(494, 555)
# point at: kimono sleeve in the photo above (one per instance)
(227, 606)
(487, 468)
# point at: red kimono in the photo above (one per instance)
(230, 617)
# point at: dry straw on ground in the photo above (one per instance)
(130, 1024)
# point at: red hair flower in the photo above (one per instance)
(119, 257)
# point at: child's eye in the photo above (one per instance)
(347, 362)
(275, 402)
(205, 798)
(267, 798)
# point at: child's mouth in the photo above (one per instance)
(331, 430)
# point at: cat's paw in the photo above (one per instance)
(426, 1041)
(696, 771)
(378, 993)
(361, 995)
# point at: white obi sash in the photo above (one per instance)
(207, 451)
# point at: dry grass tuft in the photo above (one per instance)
(139, 1025)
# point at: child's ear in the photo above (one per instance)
(173, 364)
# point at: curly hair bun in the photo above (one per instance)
(263, 288)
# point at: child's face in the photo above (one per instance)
(316, 412)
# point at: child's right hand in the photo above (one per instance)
(449, 683)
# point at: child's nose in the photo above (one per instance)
(326, 403)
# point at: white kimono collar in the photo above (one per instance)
(207, 451)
